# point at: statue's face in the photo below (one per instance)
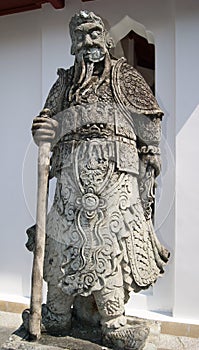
(89, 42)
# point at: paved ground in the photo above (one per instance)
(9, 322)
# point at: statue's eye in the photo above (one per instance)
(95, 34)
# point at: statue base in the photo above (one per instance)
(83, 339)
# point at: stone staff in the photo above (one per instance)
(37, 269)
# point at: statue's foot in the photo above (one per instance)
(126, 338)
(52, 323)
(25, 318)
(55, 324)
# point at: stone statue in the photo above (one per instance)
(104, 130)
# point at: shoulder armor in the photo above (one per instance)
(131, 90)
(57, 93)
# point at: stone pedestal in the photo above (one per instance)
(17, 340)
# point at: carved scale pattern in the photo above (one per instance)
(134, 91)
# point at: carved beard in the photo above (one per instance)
(84, 70)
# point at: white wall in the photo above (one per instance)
(34, 45)
(187, 145)
(20, 86)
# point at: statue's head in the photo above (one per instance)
(90, 39)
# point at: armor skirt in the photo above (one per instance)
(96, 226)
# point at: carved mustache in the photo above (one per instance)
(95, 51)
(89, 46)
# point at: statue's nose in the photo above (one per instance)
(88, 40)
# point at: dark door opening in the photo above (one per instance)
(140, 54)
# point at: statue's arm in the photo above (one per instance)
(57, 93)
(148, 130)
(46, 129)
(135, 98)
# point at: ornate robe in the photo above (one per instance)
(100, 222)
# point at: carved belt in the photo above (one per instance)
(79, 137)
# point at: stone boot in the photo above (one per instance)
(52, 323)
(126, 338)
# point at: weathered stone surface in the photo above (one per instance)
(104, 130)
(10, 321)
(80, 338)
(51, 343)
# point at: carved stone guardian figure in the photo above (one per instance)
(104, 130)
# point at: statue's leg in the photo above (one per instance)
(110, 303)
(116, 333)
(56, 313)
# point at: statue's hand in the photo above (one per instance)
(154, 161)
(44, 128)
